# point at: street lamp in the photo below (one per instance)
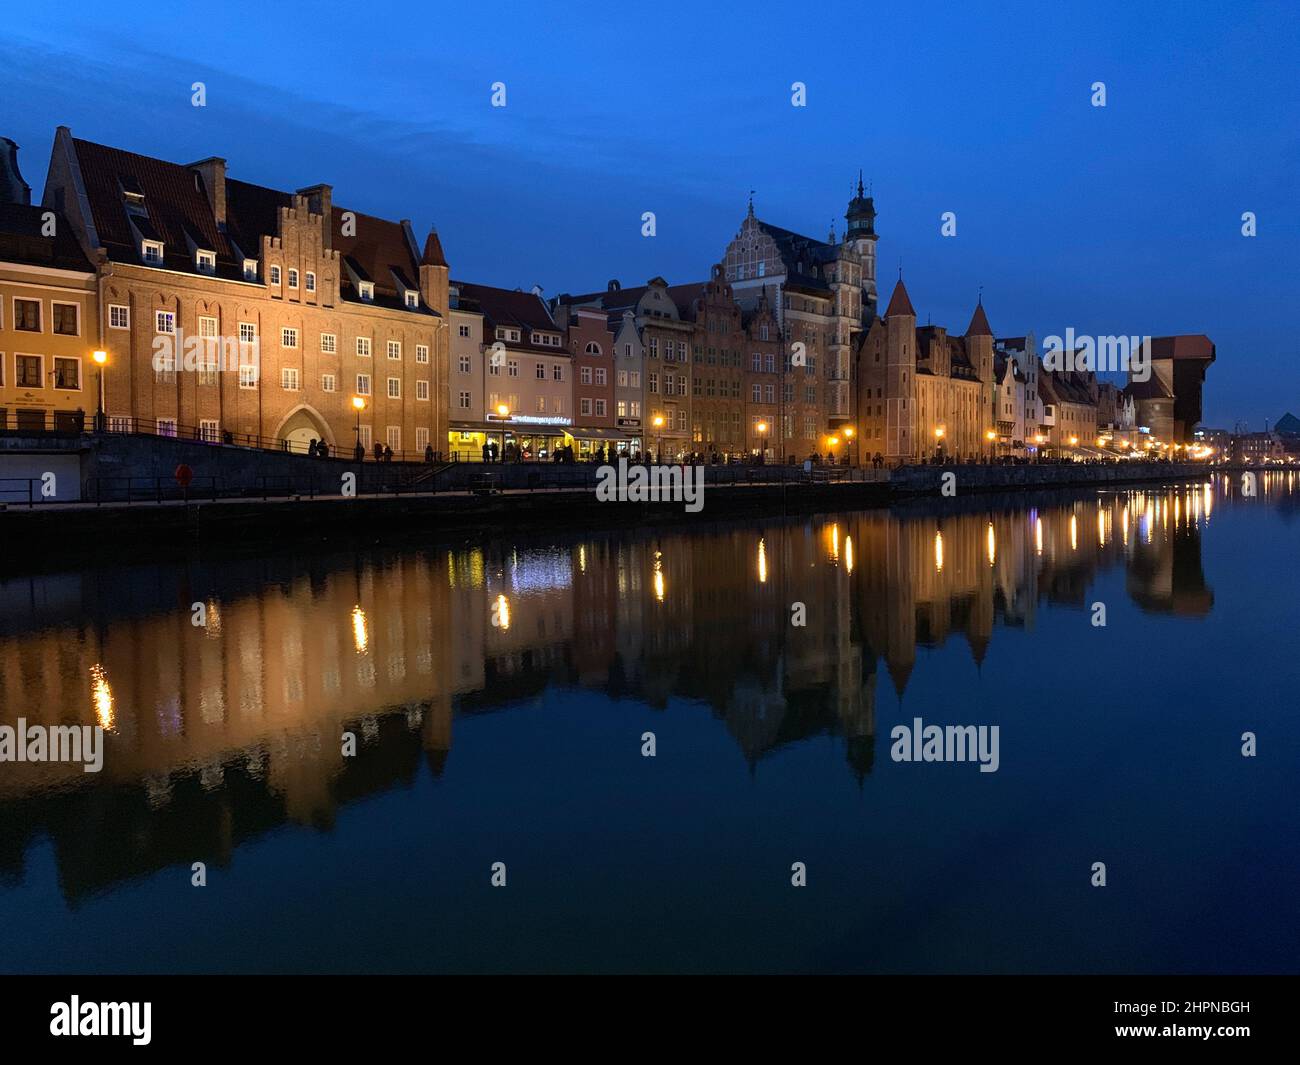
(849, 433)
(100, 358)
(358, 404)
(938, 439)
(761, 429)
(658, 422)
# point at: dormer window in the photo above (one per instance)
(366, 289)
(205, 262)
(412, 299)
(152, 251)
(275, 275)
(250, 269)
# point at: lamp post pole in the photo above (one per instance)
(100, 358)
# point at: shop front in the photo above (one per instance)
(612, 442)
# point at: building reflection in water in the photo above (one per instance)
(220, 733)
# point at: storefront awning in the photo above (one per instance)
(580, 433)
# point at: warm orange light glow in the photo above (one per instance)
(990, 435)
(658, 421)
(358, 403)
(848, 431)
(503, 410)
(938, 552)
(1074, 441)
(762, 561)
(938, 432)
(761, 427)
(100, 357)
(102, 696)
(360, 630)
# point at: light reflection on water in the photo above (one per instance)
(227, 739)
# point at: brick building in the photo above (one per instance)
(921, 392)
(233, 311)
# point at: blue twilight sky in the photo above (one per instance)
(1117, 220)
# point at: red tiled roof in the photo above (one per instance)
(1183, 346)
(979, 323)
(899, 303)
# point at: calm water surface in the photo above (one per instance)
(499, 692)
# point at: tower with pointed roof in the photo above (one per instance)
(861, 237)
(900, 375)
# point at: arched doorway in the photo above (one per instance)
(300, 427)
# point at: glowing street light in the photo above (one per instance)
(100, 357)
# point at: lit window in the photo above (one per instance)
(119, 317)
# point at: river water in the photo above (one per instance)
(499, 697)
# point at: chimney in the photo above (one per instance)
(13, 189)
(213, 173)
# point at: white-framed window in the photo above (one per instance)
(421, 352)
(394, 388)
(293, 278)
(209, 430)
(681, 420)
(166, 426)
(275, 275)
(541, 371)
(394, 349)
(119, 316)
(165, 322)
(463, 364)
(66, 318)
(152, 252)
(327, 383)
(512, 367)
(250, 269)
(363, 347)
(622, 379)
(207, 326)
(29, 371)
(463, 399)
(421, 439)
(464, 330)
(247, 333)
(584, 375)
(248, 376)
(634, 408)
(422, 390)
(329, 344)
(394, 435)
(164, 365)
(288, 337)
(363, 384)
(600, 376)
(634, 379)
(592, 348)
(557, 372)
(289, 378)
(600, 408)
(541, 404)
(310, 281)
(67, 374)
(412, 298)
(366, 290)
(365, 437)
(654, 384)
(584, 406)
(205, 262)
(620, 408)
